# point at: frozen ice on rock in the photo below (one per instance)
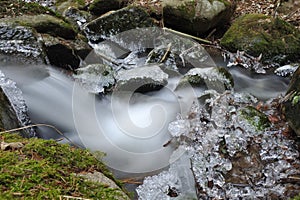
(176, 183)
(214, 146)
(14, 95)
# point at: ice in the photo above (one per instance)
(286, 70)
(214, 137)
(178, 180)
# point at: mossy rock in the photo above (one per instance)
(255, 118)
(43, 169)
(260, 34)
(45, 23)
(196, 16)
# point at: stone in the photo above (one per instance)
(196, 17)
(20, 44)
(49, 24)
(101, 178)
(141, 79)
(65, 53)
(215, 78)
(116, 22)
(291, 103)
(258, 34)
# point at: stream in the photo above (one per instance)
(133, 129)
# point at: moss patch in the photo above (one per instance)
(44, 169)
(13, 8)
(254, 117)
(257, 33)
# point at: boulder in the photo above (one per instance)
(116, 22)
(215, 78)
(291, 103)
(20, 44)
(258, 34)
(65, 53)
(196, 16)
(141, 79)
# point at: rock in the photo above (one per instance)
(47, 24)
(196, 16)
(286, 70)
(116, 22)
(100, 7)
(101, 178)
(21, 44)
(258, 34)
(291, 103)
(13, 110)
(96, 78)
(74, 13)
(65, 53)
(77, 17)
(216, 78)
(141, 79)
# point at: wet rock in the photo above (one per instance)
(47, 24)
(20, 44)
(116, 22)
(196, 17)
(74, 13)
(142, 79)
(99, 7)
(216, 78)
(286, 70)
(13, 110)
(258, 34)
(65, 53)
(96, 78)
(291, 103)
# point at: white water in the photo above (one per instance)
(130, 129)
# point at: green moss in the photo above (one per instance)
(13, 8)
(254, 117)
(257, 33)
(187, 10)
(44, 169)
(78, 3)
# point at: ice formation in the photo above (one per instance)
(230, 158)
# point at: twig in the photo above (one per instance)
(37, 125)
(166, 54)
(71, 197)
(187, 35)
